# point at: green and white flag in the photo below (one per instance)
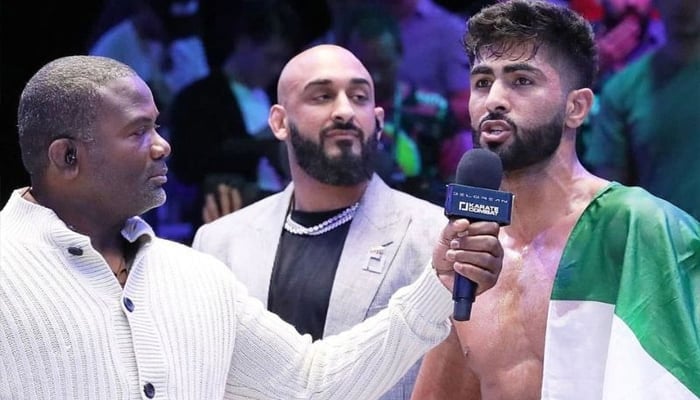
(624, 315)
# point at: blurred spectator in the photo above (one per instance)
(436, 65)
(220, 132)
(158, 38)
(339, 24)
(625, 30)
(644, 132)
(416, 121)
(433, 56)
(465, 8)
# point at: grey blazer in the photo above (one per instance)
(389, 244)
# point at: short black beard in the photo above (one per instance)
(529, 146)
(346, 170)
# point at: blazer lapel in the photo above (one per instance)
(264, 238)
(374, 236)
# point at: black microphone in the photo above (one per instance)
(475, 196)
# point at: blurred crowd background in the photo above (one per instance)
(213, 67)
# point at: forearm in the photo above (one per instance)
(360, 363)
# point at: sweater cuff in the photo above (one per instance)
(426, 304)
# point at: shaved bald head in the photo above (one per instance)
(318, 63)
(326, 113)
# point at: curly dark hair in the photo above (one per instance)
(567, 37)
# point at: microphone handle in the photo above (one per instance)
(463, 294)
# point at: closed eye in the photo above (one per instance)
(144, 129)
(360, 98)
(319, 98)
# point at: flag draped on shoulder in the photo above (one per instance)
(624, 315)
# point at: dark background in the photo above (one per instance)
(34, 33)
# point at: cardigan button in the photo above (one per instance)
(149, 390)
(76, 251)
(128, 304)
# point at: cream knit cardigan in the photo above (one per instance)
(181, 328)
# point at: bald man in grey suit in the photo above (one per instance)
(329, 250)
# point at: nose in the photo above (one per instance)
(497, 98)
(160, 148)
(343, 111)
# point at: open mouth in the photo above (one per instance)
(495, 130)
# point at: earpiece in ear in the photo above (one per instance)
(71, 158)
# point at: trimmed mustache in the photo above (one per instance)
(496, 116)
(347, 126)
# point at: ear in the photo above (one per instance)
(63, 157)
(379, 121)
(578, 105)
(277, 122)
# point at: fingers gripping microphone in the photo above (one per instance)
(475, 196)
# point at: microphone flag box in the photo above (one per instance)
(478, 204)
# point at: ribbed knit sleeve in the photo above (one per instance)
(360, 363)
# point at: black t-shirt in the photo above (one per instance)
(304, 271)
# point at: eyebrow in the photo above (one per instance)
(142, 120)
(482, 69)
(327, 82)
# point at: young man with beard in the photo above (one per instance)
(598, 298)
(331, 249)
(94, 306)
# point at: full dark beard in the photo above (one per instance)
(529, 146)
(346, 170)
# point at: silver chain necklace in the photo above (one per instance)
(328, 225)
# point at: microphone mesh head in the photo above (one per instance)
(480, 168)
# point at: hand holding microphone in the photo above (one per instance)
(475, 196)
